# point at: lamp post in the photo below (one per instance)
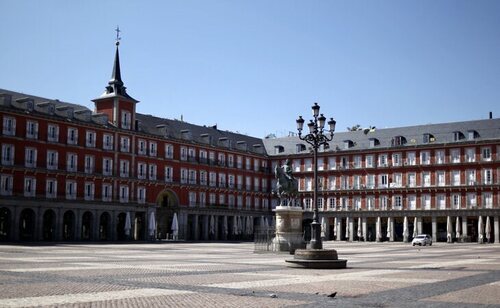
(316, 138)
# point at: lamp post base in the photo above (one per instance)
(316, 258)
(316, 242)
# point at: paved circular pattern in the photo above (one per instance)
(232, 275)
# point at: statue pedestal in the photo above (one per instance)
(288, 229)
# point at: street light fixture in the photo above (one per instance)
(316, 138)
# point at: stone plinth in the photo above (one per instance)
(316, 258)
(288, 229)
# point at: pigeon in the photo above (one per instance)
(332, 295)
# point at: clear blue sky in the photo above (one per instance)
(254, 66)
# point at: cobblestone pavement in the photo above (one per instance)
(232, 275)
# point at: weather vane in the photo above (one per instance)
(118, 38)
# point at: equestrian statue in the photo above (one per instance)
(286, 186)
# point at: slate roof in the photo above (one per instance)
(443, 133)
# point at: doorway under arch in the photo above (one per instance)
(49, 225)
(68, 227)
(5, 218)
(27, 225)
(168, 204)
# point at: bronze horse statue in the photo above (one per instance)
(287, 186)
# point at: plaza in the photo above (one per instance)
(207, 274)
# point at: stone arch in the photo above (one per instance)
(5, 223)
(104, 227)
(167, 198)
(68, 226)
(49, 225)
(86, 231)
(168, 204)
(27, 225)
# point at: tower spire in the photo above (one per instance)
(115, 84)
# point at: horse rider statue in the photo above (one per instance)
(286, 186)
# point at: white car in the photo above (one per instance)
(422, 240)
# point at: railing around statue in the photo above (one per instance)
(266, 240)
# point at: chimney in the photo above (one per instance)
(491, 115)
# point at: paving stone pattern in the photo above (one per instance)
(171, 274)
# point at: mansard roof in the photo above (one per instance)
(443, 133)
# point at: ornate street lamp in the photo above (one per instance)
(316, 138)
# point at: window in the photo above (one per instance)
(192, 176)
(184, 176)
(30, 157)
(192, 198)
(213, 179)
(89, 164)
(382, 160)
(107, 192)
(124, 193)
(412, 179)
(455, 178)
(169, 151)
(487, 176)
(248, 163)
(141, 170)
(398, 202)
(71, 162)
(71, 190)
(344, 163)
(141, 147)
(441, 201)
(396, 159)
(441, 178)
(203, 199)
(471, 177)
(256, 202)
(222, 180)
(125, 144)
(239, 184)
(374, 142)
(426, 179)
(486, 154)
(307, 204)
(425, 157)
(72, 136)
(440, 157)
(411, 159)
(222, 199)
(455, 156)
(203, 157)
(29, 187)
(428, 138)
(332, 163)
(9, 126)
(370, 203)
(126, 120)
(107, 142)
(383, 181)
(239, 162)
(357, 161)
(31, 129)
(472, 134)
(455, 201)
(222, 159)
(279, 149)
(107, 166)
(212, 199)
(52, 160)
(90, 137)
(89, 190)
(457, 136)
(239, 202)
(169, 174)
(230, 161)
(141, 195)
(397, 180)
(264, 185)
(153, 149)
(184, 153)
(308, 164)
(51, 188)
(7, 154)
(412, 202)
(152, 172)
(248, 183)
(230, 180)
(471, 200)
(370, 181)
(369, 161)
(53, 133)
(357, 182)
(296, 165)
(6, 183)
(470, 155)
(383, 203)
(398, 141)
(124, 168)
(300, 148)
(488, 200)
(426, 202)
(203, 177)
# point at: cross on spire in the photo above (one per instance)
(118, 38)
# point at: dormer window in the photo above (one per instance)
(300, 147)
(472, 134)
(398, 141)
(457, 136)
(29, 106)
(428, 138)
(348, 144)
(374, 142)
(51, 109)
(279, 149)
